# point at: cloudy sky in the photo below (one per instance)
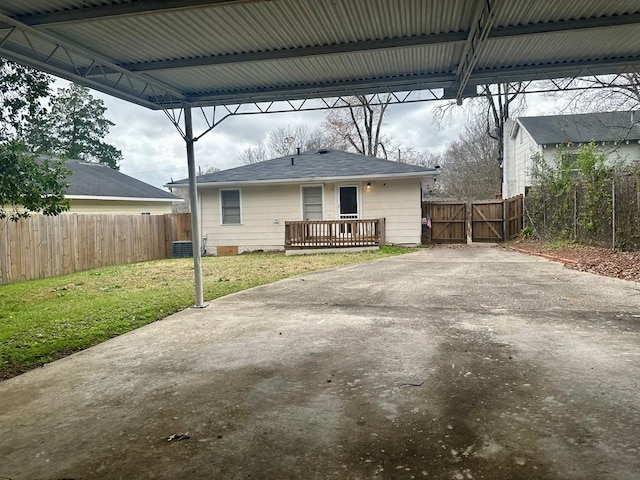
(154, 151)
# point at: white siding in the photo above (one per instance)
(398, 201)
(519, 149)
(621, 154)
(625, 153)
(262, 207)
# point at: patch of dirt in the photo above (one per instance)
(601, 261)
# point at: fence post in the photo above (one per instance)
(575, 213)
(613, 211)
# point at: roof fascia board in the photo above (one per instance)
(120, 199)
(287, 181)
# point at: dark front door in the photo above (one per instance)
(349, 203)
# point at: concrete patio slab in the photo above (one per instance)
(449, 363)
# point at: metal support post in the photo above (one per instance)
(195, 211)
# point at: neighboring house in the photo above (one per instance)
(245, 208)
(96, 188)
(617, 134)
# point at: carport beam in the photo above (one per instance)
(195, 212)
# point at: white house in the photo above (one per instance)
(616, 133)
(246, 208)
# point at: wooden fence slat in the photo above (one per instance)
(490, 221)
(42, 247)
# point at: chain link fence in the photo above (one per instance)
(606, 215)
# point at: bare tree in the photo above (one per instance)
(358, 126)
(253, 154)
(283, 141)
(470, 171)
(493, 107)
(209, 169)
(603, 93)
(503, 100)
(411, 156)
(286, 140)
(185, 205)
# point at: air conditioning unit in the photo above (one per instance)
(182, 249)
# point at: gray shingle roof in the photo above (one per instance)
(583, 128)
(324, 163)
(94, 180)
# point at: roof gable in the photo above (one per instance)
(95, 180)
(583, 128)
(316, 164)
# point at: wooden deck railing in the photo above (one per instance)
(334, 233)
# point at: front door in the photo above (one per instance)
(349, 203)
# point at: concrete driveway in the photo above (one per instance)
(450, 363)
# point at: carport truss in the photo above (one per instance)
(252, 56)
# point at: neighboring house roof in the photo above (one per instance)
(95, 181)
(583, 128)
(324, 164)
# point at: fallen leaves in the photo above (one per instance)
(601, 261)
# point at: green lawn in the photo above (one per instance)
(43, 320)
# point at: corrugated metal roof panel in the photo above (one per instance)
(367, 44)
(251, 28)
(525, 13)
(314, 70)
(560, 47)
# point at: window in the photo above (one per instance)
(312, 203)
(569, 160)
(230, 207)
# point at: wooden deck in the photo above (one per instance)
(334, 233)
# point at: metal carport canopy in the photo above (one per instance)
(166, 54)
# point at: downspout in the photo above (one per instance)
(195, 210)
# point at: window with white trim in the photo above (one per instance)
(230, 207)
(312, 203)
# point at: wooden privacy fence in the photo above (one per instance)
(43, 247)
(448, 222)
(487, 221)
(334, 233)
(513, 217)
